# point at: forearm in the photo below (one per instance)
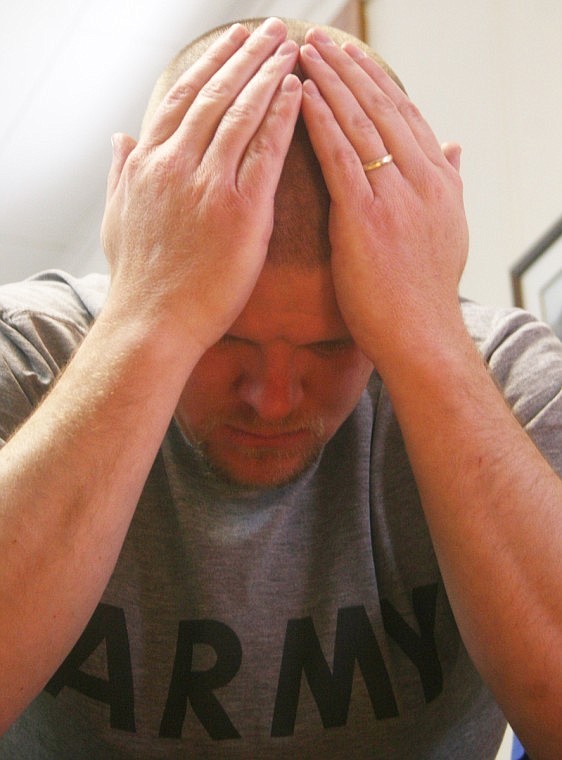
(70, 479)
(186, 227)
(399, 243)
(493, 507)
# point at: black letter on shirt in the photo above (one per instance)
(198, 685)
(355, 641)
(107, 623)
(421, 649)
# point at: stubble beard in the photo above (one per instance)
(279, 474)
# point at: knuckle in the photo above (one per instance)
(426, 181)
(214, 57)
(410, 111)
(155, 169)
(183, 92)
(381, 103)
(261, 146)
(344, 156)
(135, 162)
(440, 189)
(216, 89)
(362, 126)
(240, 112)
(254, 47)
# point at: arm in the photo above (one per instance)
(492, 502)
(188, 217)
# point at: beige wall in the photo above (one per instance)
(487, 73)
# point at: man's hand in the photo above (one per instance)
(188, 219)
(398, 232)
(190, 207)
(491, 501)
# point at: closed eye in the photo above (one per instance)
(330, 347)
(321, 347)
(233, 339)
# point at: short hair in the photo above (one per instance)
(296, 30)
(303, 241)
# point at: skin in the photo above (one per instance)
(483, 484)
(189, 217)
(71, 477)
(264, 399)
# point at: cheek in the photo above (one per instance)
(339, 388)
(205, 393)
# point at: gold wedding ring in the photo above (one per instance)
(378, 162)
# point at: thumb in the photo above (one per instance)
(452, 152)
(122, 145)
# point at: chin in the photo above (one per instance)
(261, 472)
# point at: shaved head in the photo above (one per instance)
(300, 231)
(296, 30)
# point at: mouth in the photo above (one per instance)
(272, 439)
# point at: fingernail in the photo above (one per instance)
(237, 33)
(288, 47)
(310, 52)
(320, 36)
(290, 83)
(272, 26)
(310, 89)
(352, 50)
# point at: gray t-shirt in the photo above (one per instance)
(310, 621)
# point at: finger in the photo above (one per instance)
(358, 127)
(175, 104)
(263, 160)
(452, 152)
(419, 127)
(218, 94)
(263, 95)
(399, 122)
(338, 158)
(122, 145)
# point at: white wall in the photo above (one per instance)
(71, 74)
(487, 73)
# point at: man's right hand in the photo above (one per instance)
(187, 224)
(189, 208)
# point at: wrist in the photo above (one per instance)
(418, 342)
(423, 360)
(145, 343)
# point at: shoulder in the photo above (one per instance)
(43, 320)
(513, 342)
(50, 312)
(56, 295)
(524, 357)
(491, 326)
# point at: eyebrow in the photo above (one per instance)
(343, 340)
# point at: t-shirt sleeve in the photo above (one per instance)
(41, 325)
(28, 369)
(525, 358)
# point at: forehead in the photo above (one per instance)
(292, 304)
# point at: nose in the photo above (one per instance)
(273, 385)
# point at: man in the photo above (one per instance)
(276, 503)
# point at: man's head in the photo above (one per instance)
(263, 401)
(300, 230)
(296, 30)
